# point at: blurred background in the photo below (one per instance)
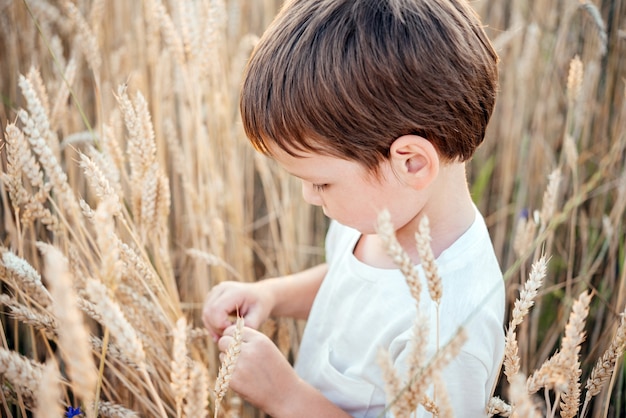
(136, 103)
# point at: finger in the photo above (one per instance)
(224, 342)
(253, 318)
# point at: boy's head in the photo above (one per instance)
(345, 78)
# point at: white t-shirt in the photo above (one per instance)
(360, 309)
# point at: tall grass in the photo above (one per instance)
(126, 172)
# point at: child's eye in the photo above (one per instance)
(319, 187)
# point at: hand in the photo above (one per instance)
(262, 375)
(252, 301)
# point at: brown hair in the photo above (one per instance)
(347, 77)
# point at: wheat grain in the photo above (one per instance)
(73, 335)
(227, 368)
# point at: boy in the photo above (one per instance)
(373, 104)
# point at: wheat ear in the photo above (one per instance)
(179, 374)
(73, 335)
(386, 232)
(23, 373)
(605, 365)
(570, 349)
(523, 406)
(497, 406)
(520, 309)
(26, 278)
(228, 365)
(48, 404)
(197, 403)
(427, 258)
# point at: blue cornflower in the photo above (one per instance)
(72, 412)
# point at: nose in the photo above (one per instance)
(310, 195)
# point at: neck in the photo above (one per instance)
(449, 208)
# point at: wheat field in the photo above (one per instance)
(128, 190)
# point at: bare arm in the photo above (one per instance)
(293, 295)
(282, 296)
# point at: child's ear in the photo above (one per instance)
(415, 160)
